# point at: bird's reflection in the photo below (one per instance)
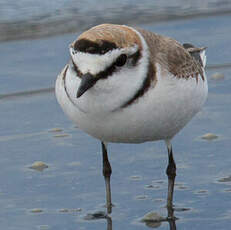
(156, 222)
(171, 219)
(109, 223)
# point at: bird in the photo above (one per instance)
(125, 84)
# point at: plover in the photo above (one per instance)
(129, 85)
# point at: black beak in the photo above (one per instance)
(87, 81)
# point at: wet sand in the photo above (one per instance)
(34, 129)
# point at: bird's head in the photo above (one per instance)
(104, 52)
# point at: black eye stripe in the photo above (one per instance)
(114, 67)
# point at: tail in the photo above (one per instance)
(203, 57)
(197, 53)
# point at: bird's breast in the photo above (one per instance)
(159, 114)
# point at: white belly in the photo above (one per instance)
(159, 114)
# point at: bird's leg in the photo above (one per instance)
(109, 223)
(171, 173)
(172, 223)
(171, 218)
(107, 174)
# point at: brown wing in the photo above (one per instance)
(181, 63)
(172, 56)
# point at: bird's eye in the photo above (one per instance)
(121, 60)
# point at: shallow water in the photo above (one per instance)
(27, 19)
(12, 11)
(33, 128)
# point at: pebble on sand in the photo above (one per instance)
(95, 216)
(225, 179)
(55, 130)
(136, 177)
(218, 76)
(65, 210)
(36, 210)
(202, 192)
(39, 166)
(153, 219)
(141, 197)
(209, 136)
(61, 135)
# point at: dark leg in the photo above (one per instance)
(171, 218)
(107, 174)
(171, 173)
(172, 223)
(109, 223)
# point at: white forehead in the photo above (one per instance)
(95, 63)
